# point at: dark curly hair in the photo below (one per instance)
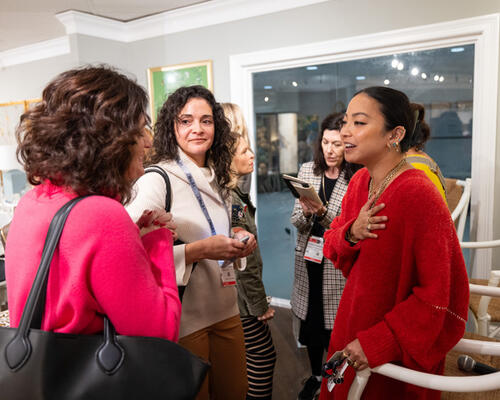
(332, 122)
(219, 156)
(81, 133)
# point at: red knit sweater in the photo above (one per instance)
(407, 293)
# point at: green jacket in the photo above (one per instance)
(252, 299)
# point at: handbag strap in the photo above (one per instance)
(168, 189)
(19, 348)
(168, 203)
(109, 355)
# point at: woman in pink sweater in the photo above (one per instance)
(88, 136)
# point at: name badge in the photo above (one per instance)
(228, 275)
(314, 249)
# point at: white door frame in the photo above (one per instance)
(482, 31)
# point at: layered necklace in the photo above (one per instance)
(377, 193)
(323, 187)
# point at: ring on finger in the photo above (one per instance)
(369, 227)
(355, 365)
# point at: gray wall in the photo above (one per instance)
(26, 81)
(326, 21)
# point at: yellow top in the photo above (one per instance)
(432, 173)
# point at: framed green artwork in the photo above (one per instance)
(163, 81)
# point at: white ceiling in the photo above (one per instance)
(25, 22)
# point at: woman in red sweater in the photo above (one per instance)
(88, 136)
(406, 296)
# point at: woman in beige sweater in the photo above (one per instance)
(192, 144)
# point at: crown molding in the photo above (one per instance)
(192, 17)
(93, 25)
(35, 52)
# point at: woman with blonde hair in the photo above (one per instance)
(252, 299)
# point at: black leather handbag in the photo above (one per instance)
(40, 365)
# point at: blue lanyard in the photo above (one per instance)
(197, 194)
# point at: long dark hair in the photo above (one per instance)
(219, 156)
(81, 133)
(332, 122)
(397, 111)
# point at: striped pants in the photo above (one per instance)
(261, 357)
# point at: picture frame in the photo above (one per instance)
(163, 81)
(10, 114)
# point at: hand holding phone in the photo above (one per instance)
(244, 239)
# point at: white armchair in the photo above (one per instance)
(437, 382)
(479, 309)
(460, 210)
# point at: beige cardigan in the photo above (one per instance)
(205, 300)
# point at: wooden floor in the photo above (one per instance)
(292, 365)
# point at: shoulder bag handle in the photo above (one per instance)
(18, 350)
(163, 173)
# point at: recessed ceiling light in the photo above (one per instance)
(415, 71)
(423, 75)
(436, 77)
(457, 49)
(312, 68)
(441, 78)
(266, 99)
(268, 87)
(387, 81)
(400, 66)
(394, 63)
(360, 78)
(295, 84)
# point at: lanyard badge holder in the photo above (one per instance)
(227, 273)
(334, 369)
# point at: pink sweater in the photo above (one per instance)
(101, 266)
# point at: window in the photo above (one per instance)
(290, 104)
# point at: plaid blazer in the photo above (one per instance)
(333, 281)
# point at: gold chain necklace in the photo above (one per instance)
(385, 182)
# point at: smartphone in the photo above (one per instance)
(244, 239)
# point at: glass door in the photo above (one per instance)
(290, 104)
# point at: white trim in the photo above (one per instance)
(34, 52)
(93, 25)
(482, 31)
(192, 17)
(278, 302)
